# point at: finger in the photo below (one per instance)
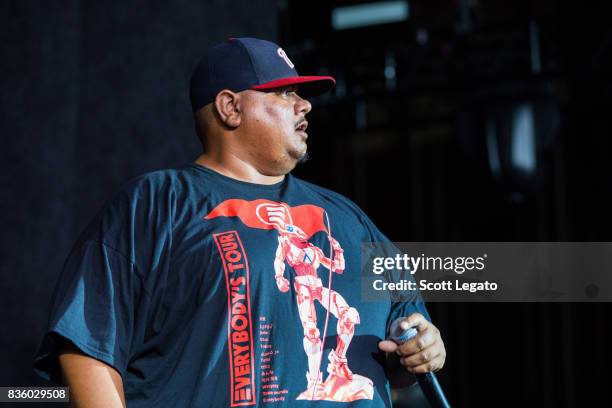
(420, 342)
(415, 320)
(429, 367)
(387, 346)
(424, 356)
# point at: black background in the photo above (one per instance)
(95, 93)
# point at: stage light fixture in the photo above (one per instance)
(368, 14)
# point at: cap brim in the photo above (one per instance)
(308, 85)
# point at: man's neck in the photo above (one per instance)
(234, 167)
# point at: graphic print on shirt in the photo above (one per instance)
(295, 226)
(240, 326)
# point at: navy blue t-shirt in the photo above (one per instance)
(205, 291)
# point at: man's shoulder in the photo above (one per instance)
(156, 181)
(329, 195)
(157, 189)
(341, 207)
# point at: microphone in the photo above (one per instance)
(428, 381)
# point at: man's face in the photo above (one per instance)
(273, 128)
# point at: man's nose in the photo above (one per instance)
(302, 106)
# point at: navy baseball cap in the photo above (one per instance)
(249, 63)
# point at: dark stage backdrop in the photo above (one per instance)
(95, 93)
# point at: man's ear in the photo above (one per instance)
(227, 104)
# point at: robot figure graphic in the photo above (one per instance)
(305, 258)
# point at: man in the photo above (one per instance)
(178, 293)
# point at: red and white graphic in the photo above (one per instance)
(295, 226)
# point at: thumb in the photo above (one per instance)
(415, 320)
(387, 346)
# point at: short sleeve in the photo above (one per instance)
(405, 309)
(406, 302)
(95, 307)
(406, 305)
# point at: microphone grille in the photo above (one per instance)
(398, 335)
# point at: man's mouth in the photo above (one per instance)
(302, 126)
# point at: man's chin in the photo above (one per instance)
(299, 156)
(304, 158)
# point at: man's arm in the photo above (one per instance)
(92, 383)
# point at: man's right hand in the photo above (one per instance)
(92, 383)
(282, 283)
